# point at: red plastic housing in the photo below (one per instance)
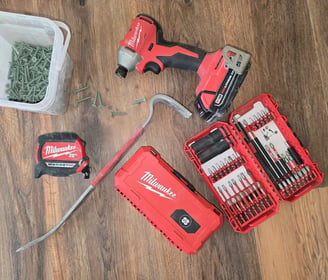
(245, 198)
(142, 39)
(63, 151)
(60, 154)
(168, 201)
(212, 73)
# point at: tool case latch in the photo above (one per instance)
(180, 177)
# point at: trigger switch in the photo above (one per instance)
(153, 67)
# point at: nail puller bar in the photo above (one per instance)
(260, 163)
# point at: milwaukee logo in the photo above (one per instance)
(54, 151)
(136, 36)
(150, 182)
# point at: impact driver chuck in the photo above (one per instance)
(221, 73)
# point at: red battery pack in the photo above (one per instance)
(253, 162)
(168, 201)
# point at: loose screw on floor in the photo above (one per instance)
(95, 100)
(81, 89)
(118, 113)
(138, 101)
(82, 99)
(99, 99)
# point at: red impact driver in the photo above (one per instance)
(221, 73)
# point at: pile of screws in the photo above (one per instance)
(28, 73)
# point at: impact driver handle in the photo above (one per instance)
(186, 58)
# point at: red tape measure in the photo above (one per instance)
(61, 154)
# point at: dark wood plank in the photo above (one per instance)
(106, 238)
(318, 15)
(288, 68)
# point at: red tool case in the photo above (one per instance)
(252, 162)
(168, 201)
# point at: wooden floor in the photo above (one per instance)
(106, 238)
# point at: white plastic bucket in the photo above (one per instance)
(42, 32)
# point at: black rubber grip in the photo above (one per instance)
(207, 141)
(213, 151)
(182, 60)
(41, 168)
(58, 137)
(153, 67)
